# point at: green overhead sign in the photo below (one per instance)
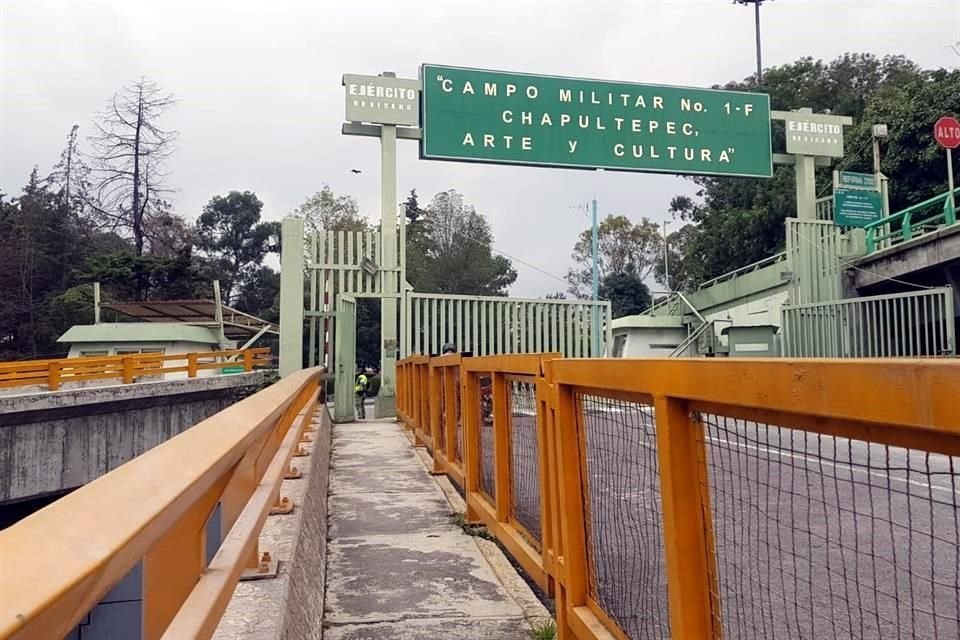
(856, 208)
(512, 118)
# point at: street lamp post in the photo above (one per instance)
(756, 12)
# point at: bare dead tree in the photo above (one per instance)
(129, 151)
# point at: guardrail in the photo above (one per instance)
(154, 514)
(52, 374)
(919, 219)
(710, 498)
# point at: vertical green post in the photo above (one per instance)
(595, 324)
(291, 296)
(386, 402)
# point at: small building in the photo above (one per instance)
(647, 336)
(130, 338)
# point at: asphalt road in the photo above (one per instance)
(816, 537)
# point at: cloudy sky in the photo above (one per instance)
(260, 99)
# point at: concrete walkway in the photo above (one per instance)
(397, 566)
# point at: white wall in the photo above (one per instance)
(646, 342)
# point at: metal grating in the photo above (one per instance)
(487, 481)
(524, 458)
(823, 537)
(625, 554)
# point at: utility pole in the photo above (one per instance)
(596, 283)
(666, 258)
(756, 12)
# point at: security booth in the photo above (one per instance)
(752, 341)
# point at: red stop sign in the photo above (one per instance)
(947, 132)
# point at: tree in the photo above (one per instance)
(259, 295)
(229, 231)
(330, 212)
(627, 293)
(736, 221)
(622, 247)
(70, 177)
(129, 151)
(40, 246)
(453, 251)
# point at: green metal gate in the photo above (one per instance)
(345, 341)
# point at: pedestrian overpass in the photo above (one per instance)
(683, 498)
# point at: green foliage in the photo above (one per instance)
(543, 630)
(459, 519)
(622, 247)
(627, 293)
(230, 233)
(736, 221)
(259, 294)
(330, 212)
(450, 249)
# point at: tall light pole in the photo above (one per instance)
(756, 12)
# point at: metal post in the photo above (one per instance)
(596, 284)
(218, 313)
(386, 398)
(756, 7)
(96, 303)
(666, 258)
(953, 197)
(291, 296)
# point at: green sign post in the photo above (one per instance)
(856, 207)
(511, 118)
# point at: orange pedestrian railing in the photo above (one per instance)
(53, 374)
(154, 511)
(711, 498)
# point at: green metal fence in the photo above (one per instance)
(486, 325)
(916, 324)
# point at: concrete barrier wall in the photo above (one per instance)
(305, 591)
(56, 441)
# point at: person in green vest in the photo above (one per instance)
(360, 389)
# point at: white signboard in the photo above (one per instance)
(812, 134)
(382, 100)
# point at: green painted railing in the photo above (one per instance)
(912, 222)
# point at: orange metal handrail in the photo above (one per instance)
(54, 573)
(52, 374)
(845, 398)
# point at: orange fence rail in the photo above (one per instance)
(229, 466)
(52, 374)
(710, 498)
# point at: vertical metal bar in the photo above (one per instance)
(434, 327)
(481, 348)
(562, 323)
(501, 449)
(312, 283)
(352, 273)
(950, 345)
(460, 332)
(417, 324)
(681, 452)
(475, 323)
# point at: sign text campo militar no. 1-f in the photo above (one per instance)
(500, 117)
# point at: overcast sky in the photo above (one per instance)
(261, 103)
